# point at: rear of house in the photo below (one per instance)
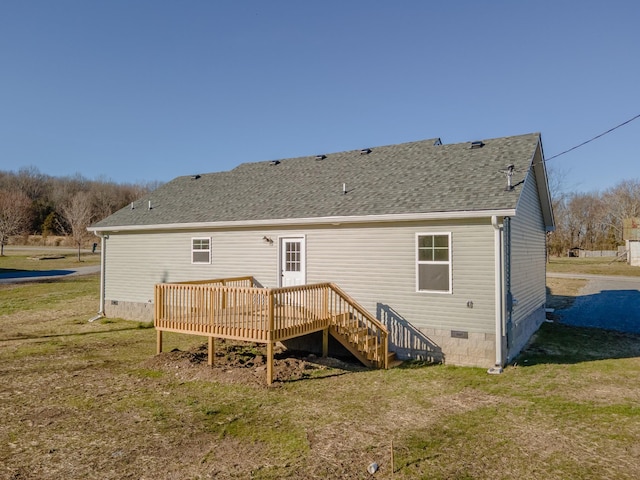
(445, 244)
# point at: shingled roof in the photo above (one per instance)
(410, 178)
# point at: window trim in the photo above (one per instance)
(419, 262)
(193, 250)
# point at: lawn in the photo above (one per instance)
(91, 400)
(46, 258)
(596, 266)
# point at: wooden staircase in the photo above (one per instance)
(362, 345)
(364, 336)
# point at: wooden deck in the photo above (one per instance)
(234, 308)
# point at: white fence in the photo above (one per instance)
(598, 253)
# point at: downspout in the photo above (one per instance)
(497, 245)
(103, 245)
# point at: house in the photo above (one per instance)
(444, 244)
(631, 237)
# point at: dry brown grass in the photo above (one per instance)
(594, 266)
(562, 292)
(83, 400)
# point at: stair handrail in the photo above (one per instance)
(363, 311)
(374, 322)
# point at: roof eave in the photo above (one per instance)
(543, 186)
(335, 220)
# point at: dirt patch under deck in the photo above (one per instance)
(246, 363)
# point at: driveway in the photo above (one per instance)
(608, 302)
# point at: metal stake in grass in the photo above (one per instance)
(392, 462)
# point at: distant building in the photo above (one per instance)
(631, 236)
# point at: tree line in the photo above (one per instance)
(592, 220)
(34, 203)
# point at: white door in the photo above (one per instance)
(292, 261)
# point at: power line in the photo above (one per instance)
(594, 138)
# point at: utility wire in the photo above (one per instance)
(594, 138)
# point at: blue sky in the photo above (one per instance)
(147, 90)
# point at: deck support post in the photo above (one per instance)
(270, 363)
(211, 351)
(325, 342)
(158, 342)
(270, 335)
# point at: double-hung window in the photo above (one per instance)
(433, 262)
(201, 250)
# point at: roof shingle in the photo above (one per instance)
(409, 178)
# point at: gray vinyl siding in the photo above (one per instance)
(528, 255)
(375, 263)
(136, 262)
(377, 266)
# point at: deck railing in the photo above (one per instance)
(235, 309)
(364, 332)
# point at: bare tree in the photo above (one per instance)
(31, 182)
(77, 213)
(108, 197)
(622, 202)
(15, 214)
(558, 241)
(587, 221)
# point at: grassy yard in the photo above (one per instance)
(45, 259)
(596, 266)
(91, 400)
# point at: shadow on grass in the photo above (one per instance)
(142, 326)
(317, 376)
(565, 344)
(413, 364)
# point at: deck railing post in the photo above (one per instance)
(385, 339)
(270, 333)
(224, 295)
(325, 306)
(158, 299)
(156, 304)
(270, 339)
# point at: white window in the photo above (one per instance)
(201, 250)
(433, 262)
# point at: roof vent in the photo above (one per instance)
(195, 177)
(437, 143)
(476, 144)
(509, 172)
(275, 162)
(321, 157)
(365, 151)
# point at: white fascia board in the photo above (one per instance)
(337, 220)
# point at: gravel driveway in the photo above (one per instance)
(608, 302)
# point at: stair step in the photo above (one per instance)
(393, 361)
(362, 340)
